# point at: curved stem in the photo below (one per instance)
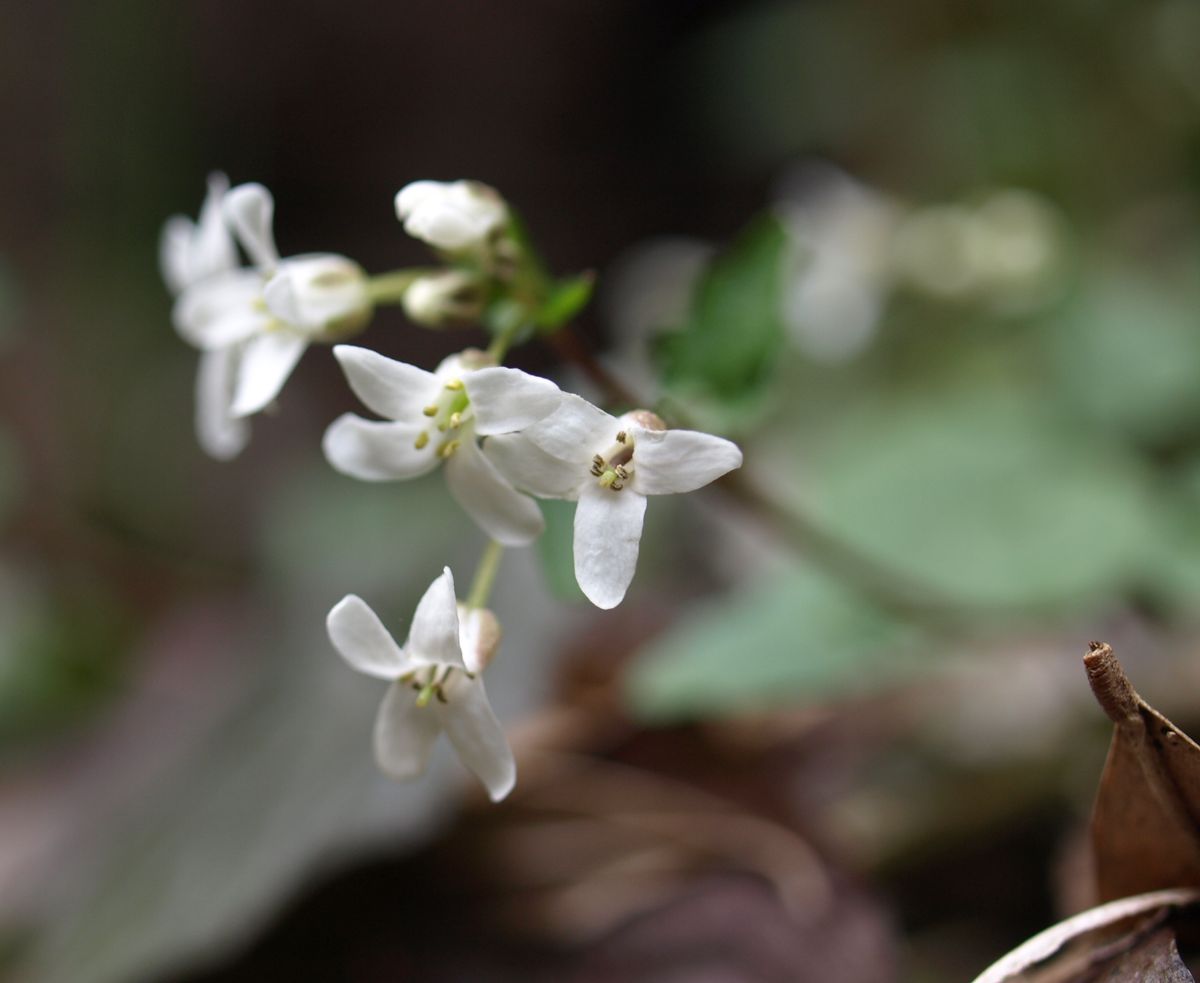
(389, 288)
(485, 575)
(503, 342)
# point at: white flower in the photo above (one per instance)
(840, 236)
(436, 684)
(450, 215)
(436, 417)
(253, 324)
(191, 253)
(609, 466)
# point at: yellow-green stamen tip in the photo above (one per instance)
(422, 440)
(454, 385)
(430, 410)
(426, 694)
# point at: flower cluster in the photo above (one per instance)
(505, 437)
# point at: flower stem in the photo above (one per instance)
(503, 341)
(389, 288)
(485, 575)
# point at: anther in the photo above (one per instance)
(448, 448)
(621, 437)
(454, 385)
(455, 421)
(430, 410)
(422, 440)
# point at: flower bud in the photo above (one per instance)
(447, 297)
(451, 215)
(645, 419)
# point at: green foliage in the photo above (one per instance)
(984, 495)
(1126, 351)
(555, 549)
(567, 298)
(796, 637)
(727, 348)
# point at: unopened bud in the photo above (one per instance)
(645, 419)
(444, 298)
(323, 295)
(451, 215)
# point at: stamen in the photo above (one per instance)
(454, 385)
(422, 440)
(455, 421)
(621, 437)
(430, 410)
(448, 448)
(427, 693)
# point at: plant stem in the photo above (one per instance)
(389, 288)
(485, 575)
(503, 341)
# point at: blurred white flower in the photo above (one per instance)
(840, 234)
(1007, 249)
(609, 466)
(253, 324)
(436, 684)
(450, 215)
(435, 417)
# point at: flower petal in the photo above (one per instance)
(373, 451)
(279, 294)
(392, 389)
(221, 434)
(527, 466)
(477, 736)
(220, 310)
(360, 638)
(404, 733)
(434, 635)
(608, 531)
(670, 461)
(213, 249)
(250, 209)
(501, 511)
(507, 400)
(267, 361)
(576, 431)
(175, 252)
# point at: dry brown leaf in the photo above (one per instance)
(1146, 820)
(1045, 944)
(1153, 960)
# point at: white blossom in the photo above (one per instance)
(450, 215)
(608, 465)
(191, 253)
(436, 684)
(252, 324)
(434, 417)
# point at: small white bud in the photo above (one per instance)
(446, 297)
(450, 215)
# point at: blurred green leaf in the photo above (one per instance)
(798, 636)
(60, 657)
(568, 297)
(1126, 351)
(984, 495)
(727, 348)
(555, 549)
